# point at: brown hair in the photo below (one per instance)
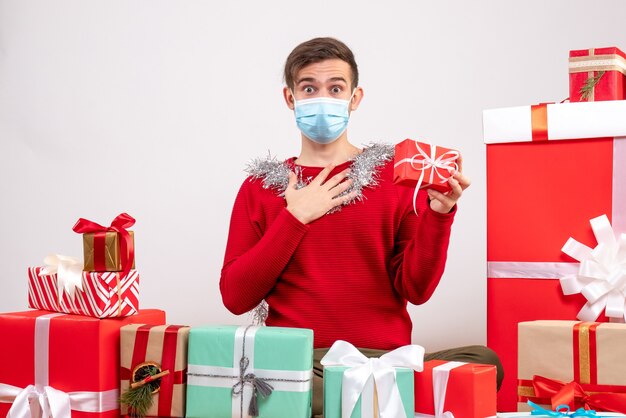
(316, 50)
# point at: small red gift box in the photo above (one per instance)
(597, 74)
(63, 361)
(469, 389)
(103, 295)
(423, 165)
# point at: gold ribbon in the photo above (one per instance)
(584, 357)
(590, 63)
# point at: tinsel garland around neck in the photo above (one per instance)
(363, 171)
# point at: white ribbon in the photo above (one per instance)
(601, 277)
(445, 161)
(363, 372)
(529, 269)
(441, 374)
(69, 271)
(43, 401)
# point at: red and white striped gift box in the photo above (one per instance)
(103, 294)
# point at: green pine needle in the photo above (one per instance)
(587, 89)
(140, 399)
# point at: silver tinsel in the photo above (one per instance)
(363, 171)
(259, 314)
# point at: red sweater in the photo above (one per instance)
(347, 275)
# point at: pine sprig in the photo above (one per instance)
(587, 89)
(139, 399)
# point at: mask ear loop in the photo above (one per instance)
(350, 99)
(294, 98)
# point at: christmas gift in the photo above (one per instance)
(423, 165)
(53, 364)
(248, 371)
(561, 411)
(153, 369)
(358, 387)
(108, 248)
(61, 288)
(597, 74)
(462, 389)
(601, 277)
(578, 364)
(531, 214)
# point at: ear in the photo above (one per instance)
(356, 99)
(289, 99)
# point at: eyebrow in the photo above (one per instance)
(313, 80)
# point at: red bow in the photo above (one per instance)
(119, 225)
(573, 395)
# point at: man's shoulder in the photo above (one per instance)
(267, 174)
(373, 165)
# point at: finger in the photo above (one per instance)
(342, 200)
(293, 179)
(459, 163)
(337, 179)
(464, 181)
(456, 189)
(446, 201)
(340, 188)
(321, 177)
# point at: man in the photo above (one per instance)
(326, 238)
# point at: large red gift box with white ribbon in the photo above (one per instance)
(67, 365)
(550, 170)
(100, 294)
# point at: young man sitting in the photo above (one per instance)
(326, 238)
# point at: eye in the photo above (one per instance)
(336, 90)
(309, 89)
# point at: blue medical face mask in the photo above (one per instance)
(322, 119)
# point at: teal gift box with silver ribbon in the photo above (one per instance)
(249, 371)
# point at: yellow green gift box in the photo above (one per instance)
(239, 371)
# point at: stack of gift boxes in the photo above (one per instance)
(87, 350)
(62, 359)
(556, 242)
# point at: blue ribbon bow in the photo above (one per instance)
(562, 411)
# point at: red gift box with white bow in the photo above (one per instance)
(423, 165)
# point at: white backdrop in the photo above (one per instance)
(154, 107)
